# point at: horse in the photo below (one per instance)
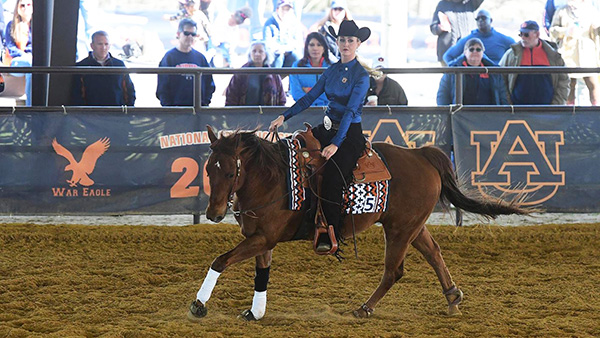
(247, 173)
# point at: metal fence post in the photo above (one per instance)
(458, 90)
(198, 91)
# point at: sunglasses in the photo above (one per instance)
(189, 33)
(524, 35)
(481, 18)
(473, 49)
(338, 9)
(24, 5)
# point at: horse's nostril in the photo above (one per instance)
(218, 219)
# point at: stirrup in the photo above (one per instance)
(321, 247)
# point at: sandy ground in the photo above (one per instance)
(132, 281)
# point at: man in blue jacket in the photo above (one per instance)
(178, 90)
(102, 90)
(496, 44)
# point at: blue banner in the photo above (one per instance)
(549, 159)
(147, 162)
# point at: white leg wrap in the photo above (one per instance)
(259, 304)
(207, 286)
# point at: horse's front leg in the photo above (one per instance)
(249, 247)
(261, 279)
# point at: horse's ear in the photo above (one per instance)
(308, 126)
(211, 134)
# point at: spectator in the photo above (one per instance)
(2, 26)
(257, 20)
(337, 13)
(102, 90)
(226, 29)
(316, 54)
(576, 29)
(255, 89)
(177, 90)
(534, 88)
(282, 35)
(550, 9)
(18, 51)
(478, 89)
(388, 91)
(297, 6)
(495, 43)
(452, 20)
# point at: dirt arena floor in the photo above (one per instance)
(133, 281)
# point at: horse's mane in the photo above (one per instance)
(260, 153)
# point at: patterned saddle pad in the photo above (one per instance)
(359, 198)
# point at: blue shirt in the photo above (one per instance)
(298, 81)
(496, 44)
(345, 85)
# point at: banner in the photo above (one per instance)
(146, 162)
(548, 159)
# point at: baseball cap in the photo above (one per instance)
(284, 3)
(529, 26)
(380, 62)
(338, 4)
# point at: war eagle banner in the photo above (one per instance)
(148, 162)
(551, 159)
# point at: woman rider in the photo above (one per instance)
(345, 83)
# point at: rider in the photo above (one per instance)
(345, 83)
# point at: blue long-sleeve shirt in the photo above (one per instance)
(298, 81)
(178, 90)
(496, 44)
(345, 85)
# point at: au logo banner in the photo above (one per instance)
(518, 160)
(81, 169)
(390, 131)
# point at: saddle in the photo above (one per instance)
(369, 168)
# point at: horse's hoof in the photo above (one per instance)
(197, 311)
(454, 311)
(363, 312)
(248, 316)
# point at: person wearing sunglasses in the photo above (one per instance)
(534, 89)
(478, 89)
(178, 89)
(337, 13)
(496, 43)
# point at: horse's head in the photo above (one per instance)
(224, 169)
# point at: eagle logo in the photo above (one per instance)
(86, 166)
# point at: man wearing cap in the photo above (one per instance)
(225, 34)
(283, 36)
(102, 90)
(528, 89)
(496, 44)
(387, 91)
(178, 89)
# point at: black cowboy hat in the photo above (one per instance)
(349, 28)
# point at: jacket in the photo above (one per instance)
(560, 81)
(446, 91)
(272, 89)
(102, 90)
(298, 81)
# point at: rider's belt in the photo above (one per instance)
(328, 124)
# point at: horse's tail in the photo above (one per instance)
(451, 192)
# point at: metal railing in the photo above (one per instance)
(198, 72)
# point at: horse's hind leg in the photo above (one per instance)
(395, 250)
(431, 251)
(261, 279)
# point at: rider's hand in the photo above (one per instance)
(278, 122)
(329, 151)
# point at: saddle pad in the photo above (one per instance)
(359, 198)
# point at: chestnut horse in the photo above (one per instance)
(249, 172)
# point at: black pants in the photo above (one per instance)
(334, 181)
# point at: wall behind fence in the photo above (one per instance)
(148, 162)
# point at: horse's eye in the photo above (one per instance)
(230, 175)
